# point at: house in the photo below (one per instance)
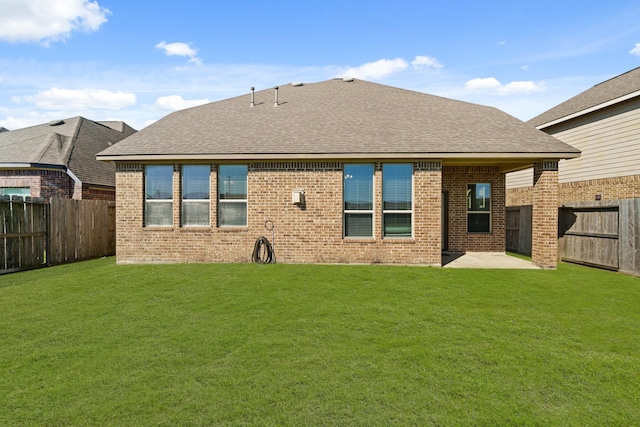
(57, 159)
(603, 122)
(340, 171)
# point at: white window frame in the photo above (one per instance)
(489, 212)
(11, 191)
(195, 201)
(392, 211)
(359, 211)
(225, 201)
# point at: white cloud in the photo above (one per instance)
(78, 99)
(425, 62)
(180, 49)
(482, 84)
(491, 84)
(375, 70)
(48, 21)
(636, 50)
(24, 118)
(521, 87)
(176, 102)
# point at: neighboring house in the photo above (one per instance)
(604, 124)
(347, 171)
(57, 159)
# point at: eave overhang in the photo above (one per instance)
(333, 156)
(505, 162)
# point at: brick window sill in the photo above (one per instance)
(233, 229)
(405, 240)
(359, 240)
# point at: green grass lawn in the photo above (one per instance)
(94, 343)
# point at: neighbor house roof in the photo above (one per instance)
(615, 90)
(70, 144)
(337, 119)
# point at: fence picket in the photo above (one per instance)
(72, 230)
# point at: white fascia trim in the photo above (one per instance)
(74, 177)
(590, 110)
(15, 165)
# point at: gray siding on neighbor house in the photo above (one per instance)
(609, 141)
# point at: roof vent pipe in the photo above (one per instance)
(276, 103)
(253, 103)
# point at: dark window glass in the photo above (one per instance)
(158, 184)
(232, 195)
(358, 200)
(195, 195)
(358, 225)
(397, 195)
(479, 208)
(396, 186)
(232, 182)
(397, 224)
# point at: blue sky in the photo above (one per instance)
(139, 60)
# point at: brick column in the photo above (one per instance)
(544, 250)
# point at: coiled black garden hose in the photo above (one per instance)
(263, 252)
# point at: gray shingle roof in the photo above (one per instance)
(72, 144)
(611, 89)
(338, 118)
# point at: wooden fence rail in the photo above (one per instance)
(519, 222)
(603, 234)
(37, 234)
(23, 232)
(81, 229)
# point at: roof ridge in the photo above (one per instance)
(618, 76)
(74, 139)
(53, 137)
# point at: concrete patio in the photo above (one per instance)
(484, 260)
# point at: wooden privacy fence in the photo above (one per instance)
(603, 234)
(519, 221)
(81, 229)
(23, 233)
(37, 234)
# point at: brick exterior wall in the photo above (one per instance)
(455, 180)
(90, 192)
(544, 245)
(53, 183)
(622, 187)
(313, 232)
(43, 183)
(520, 196)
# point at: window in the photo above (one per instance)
(195, 195)
(232, 195)
(397, 196)
(158, 195)
(358, 200)
(479, 208)
(16, 191)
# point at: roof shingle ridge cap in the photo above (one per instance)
(614, 78)
(580, 94)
